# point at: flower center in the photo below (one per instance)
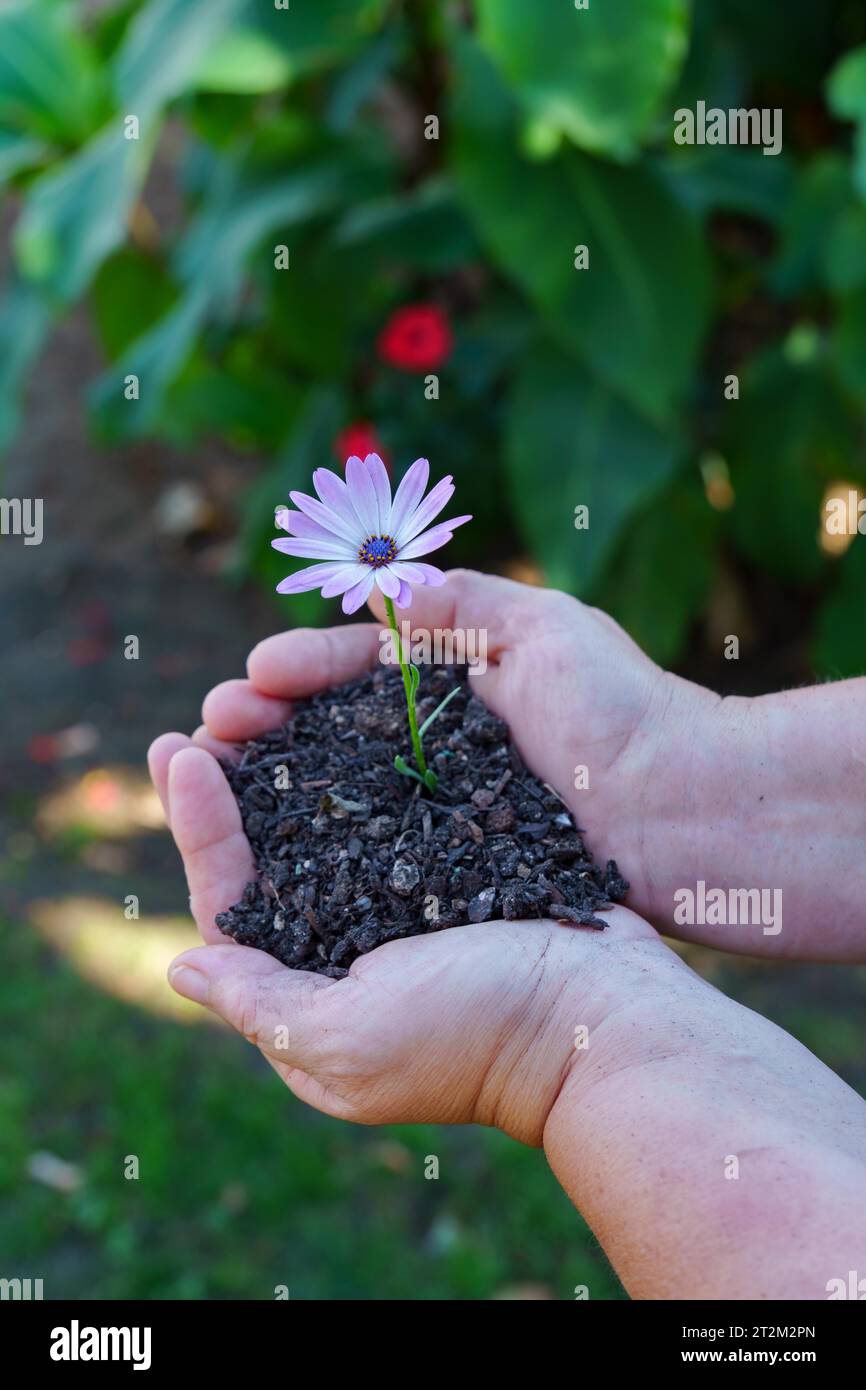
(377, 551)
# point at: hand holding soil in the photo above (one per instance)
(638, 1077)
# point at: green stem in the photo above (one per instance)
(407, 686)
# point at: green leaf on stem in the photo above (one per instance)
(438, 710)
(401, 765)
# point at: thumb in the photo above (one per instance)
(493, 610)
(269, 1004)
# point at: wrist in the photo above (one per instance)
(742, 799)
(683, 771)
(581, 981)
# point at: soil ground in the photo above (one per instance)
(352, 854)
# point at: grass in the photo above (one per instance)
(241, 1188)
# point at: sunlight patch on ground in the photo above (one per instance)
(109, 801)
(126, 959)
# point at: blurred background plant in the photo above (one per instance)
(296, 232)
(372, 192)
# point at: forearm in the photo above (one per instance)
(713, 1156)
(753, 837)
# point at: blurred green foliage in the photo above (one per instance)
(310, 127)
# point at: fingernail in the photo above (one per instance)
(192, 984)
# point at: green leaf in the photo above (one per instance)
(571, 442)
(163, 49)
(320, 307)
(50, 85)
(75, 214)
(638, 314)
(789, 436)
(314, 423)
(822, 193)
(712, 71)
(130, 293)
(154, 360)
(425, 228)
(243, 62)
(846, 97)
(19, 152)
(25, 320)
(402, 766)
(848, 345)
(359, 80)
(846, 86)
(728, 179)
(431, 718)
(243, 208)
(210, 262)
(318, 34)
(839, 648)
(245, 400)
(597, 74)
(663, 570)
(844, 257)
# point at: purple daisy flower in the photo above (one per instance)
(363, 535)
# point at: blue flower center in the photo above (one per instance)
(377, 551)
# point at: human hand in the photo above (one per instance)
(643, 1083)
(575, 691)
(470, 1024)
(480, 1023)
(681, 785)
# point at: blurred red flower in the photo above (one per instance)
(359, 438)
(416, 338)
(42, 748)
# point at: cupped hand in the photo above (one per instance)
(621, 740)
(471, 1024)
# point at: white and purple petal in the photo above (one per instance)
(409, 494)
(311, 577)
(345, 577)
(334, 494)
(357, 596)
(315, 549)
(433, 539)
(298, 524)
(382, 487)
(404, 597)
(430, 574)
(363, 496)
(389, 583)
(325, 517)
(410, 573)
(424, 513)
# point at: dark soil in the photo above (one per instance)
(351, 854)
